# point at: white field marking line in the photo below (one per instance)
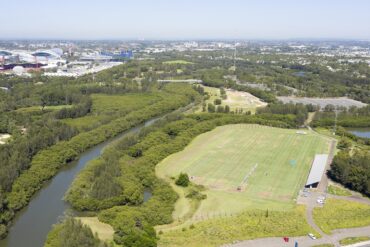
(245, 179)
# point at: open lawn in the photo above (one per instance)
(338, 214)
(269, 165)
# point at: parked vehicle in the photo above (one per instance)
(312, 236)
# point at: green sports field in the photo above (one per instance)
(269, 165)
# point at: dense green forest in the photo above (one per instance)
(352, 170)
(44, 122)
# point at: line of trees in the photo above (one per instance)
(352, 170)
(299, 111)
(352, 117)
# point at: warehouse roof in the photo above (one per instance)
(317, 169)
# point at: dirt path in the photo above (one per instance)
(309, 119)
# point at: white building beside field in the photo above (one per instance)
(317, 170)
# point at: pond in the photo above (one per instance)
(360, 132)
(299, 73)
(147, 194)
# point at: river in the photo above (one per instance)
(32, 224)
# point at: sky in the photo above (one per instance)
(184, 19)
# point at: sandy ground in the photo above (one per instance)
(4, 138)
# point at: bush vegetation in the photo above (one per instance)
(72, 233)
(338, 191)
(182, 180)
(247, 225)
(353, 240)
(352, 170)
(338, 214)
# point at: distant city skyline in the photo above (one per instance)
(191, 19)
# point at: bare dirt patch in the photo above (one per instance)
(322, 102)
(242, 99)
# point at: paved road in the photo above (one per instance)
(305, 241)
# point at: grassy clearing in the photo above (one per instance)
(338, 214)
(354, 240)
(235, 99)
(247, 225)
(39, 108)
(246, 101)
(338, 191)
(222, 159)
(177, 62)
(104, 231)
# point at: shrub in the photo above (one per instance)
(217, 101)
(182, 180)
